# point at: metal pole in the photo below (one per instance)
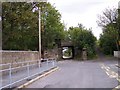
(118, 25)
(53, 62)
(47, 62)
(39, 35)
(0, 42)
(10, 75)
(28, 69)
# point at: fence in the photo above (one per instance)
(17, 72)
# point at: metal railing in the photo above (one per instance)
(13, 73)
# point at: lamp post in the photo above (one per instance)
(39, 32)
(39, 18)
(119, 23)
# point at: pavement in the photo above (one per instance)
(100, 73)
(18, 76)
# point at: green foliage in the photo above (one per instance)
(83, 38)
(110, 36)
(20, 25)
(68, 52)
(54, 29)
(107, 43)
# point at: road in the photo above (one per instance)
(100, 73)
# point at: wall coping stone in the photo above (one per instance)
(17, 51)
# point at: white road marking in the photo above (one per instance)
(111, 74)
(116, 88)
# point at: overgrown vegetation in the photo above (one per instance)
(20, 25)
(20, 28)
(82, 38)
(68, 53)
(110, 23)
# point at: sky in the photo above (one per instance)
(83, 11)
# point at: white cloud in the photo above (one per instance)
(83, 11)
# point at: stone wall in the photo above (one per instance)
(53, 53)
(14, 57)
(18, 56)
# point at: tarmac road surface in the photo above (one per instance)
(81, 74)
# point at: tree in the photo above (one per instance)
(20, 25)
(107, 43)
(109, 16)
(54, 29)
(83, 38)
(110, 36)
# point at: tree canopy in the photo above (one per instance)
(109, 21)
(82, 38)
(20, 28)
(20, 25)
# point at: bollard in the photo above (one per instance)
(53, 62)
(39, 64)
(47, 62)
(10, 75)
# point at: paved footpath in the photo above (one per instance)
(22, 73)
(81, 74)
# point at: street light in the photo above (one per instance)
(39, 18)
(119, 22)
(39, 32)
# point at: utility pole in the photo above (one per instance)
(39, 18)
(119, 24)
(1, 42)
(39, 33)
